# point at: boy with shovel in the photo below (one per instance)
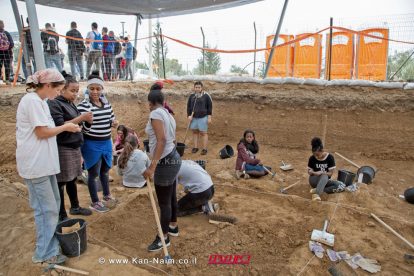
(199, 111)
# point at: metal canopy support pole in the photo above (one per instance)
(279, 25)
(162, 53)
(20, 28)
(151, 70)
(255, 44)
(135, 45)
(204, 46)
(35, 33)
(330, 49)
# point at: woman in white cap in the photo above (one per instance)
(97, 147)
(37, 159)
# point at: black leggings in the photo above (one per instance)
(167, 200)
(73, 196)
(192, 203)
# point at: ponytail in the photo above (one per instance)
(131, 143)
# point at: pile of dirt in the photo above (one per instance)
(371, 126)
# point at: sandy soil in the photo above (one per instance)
(371, 126)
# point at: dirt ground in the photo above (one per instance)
(370, 126)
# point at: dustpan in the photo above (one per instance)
(323, 236)
(286, 167)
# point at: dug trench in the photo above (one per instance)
(368, 125)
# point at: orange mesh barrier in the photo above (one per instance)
(342, 65)
(282, 61)
(371, 57)
(308, 56)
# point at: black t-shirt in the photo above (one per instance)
(322, 165)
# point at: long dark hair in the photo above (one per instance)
(253, 146)
(125, 132)
(131, 143)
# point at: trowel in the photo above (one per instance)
(323, 236)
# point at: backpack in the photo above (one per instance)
(4, 42)
(52, 46)
(97, 45)
(134, 53)
(110, 46)
(117, 48)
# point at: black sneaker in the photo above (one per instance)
(80, 211)
(194, 150)
(204, 152)
(156, 245)
(173, 231)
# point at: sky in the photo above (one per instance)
(231, 28)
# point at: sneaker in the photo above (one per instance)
(109, 201)
(239, 174)
(98, 207)
(58, 259)
(173, 231)
(313, 191)
(208, 208)
(156, 245)
(194, 150)
(316, 197)
(216, 207)
(204, 152)
(80, 211)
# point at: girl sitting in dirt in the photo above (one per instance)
(321, 166)
(132, 163)
(247, 164)
(122, 133)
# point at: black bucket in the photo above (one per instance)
(75, 243)
(409, 195)
(346, 177)
(368, 174)
(146, 145)
(226, 152)
(202, 163)
(180, 148)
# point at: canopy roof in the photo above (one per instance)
(155, 8)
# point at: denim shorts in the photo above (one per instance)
(200, 124)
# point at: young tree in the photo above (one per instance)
(212, 63)
(157, 51)
(396, 60)
(237, 69)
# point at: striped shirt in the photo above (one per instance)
(102, 120)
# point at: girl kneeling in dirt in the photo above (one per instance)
(132, 164)
(199, 190)
(37, 159)
(247, 164)
(321, 166)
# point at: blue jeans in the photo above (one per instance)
(45, 201)
(76, 63)
(248, 167)
(53, 59)
(101, 169)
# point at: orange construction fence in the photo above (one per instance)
(308, 56)
(342, 64)
(372, 54)
(282, 61)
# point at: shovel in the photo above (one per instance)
(269, 172)
(323, 236)
(286, 167)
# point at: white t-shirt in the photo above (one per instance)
(91, 36)
(169, 129)
(132, 174)
(35, 157)
(193, 177)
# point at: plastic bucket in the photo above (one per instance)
(180, 148)
(226, 152)
(75, 243)
(409, 195)
(346, 177)
(146, 145)
(368, 174)
(202, 163)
